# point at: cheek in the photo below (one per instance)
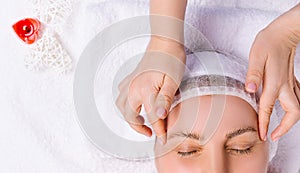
(256, 162)
(172, 164)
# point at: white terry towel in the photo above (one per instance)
(38, 130)
(231, 29)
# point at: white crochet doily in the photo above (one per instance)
(48, 51)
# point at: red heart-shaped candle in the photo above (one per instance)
(27, 29)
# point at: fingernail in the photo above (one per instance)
(251, 87)
(162, 139)
(161, 112)
(140, 119)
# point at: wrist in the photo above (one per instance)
(286, 27)
(292, 18)
(168, 46)
(297, 14)
(164, 41)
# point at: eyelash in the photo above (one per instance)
(236, 151)
(245, 151)
(187, 154)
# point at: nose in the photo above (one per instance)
(216, 162)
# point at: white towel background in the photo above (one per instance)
(38, 127)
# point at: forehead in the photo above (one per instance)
(208, 114)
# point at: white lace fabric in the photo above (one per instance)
(48, 52)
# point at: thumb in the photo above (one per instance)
(165, 97)
(255, 72)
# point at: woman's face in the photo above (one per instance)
(199, 143)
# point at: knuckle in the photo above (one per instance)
(165, 98)
(168, 98)
(255, 74)
(268, 97)
(267, 111)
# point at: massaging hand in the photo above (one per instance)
(271, 63)
(153, 84)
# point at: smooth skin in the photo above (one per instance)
(271, 63)
(235, 146)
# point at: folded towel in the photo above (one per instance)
(229, 29)
(38, 127)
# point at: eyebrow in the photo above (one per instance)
(196, 136)
(240, 132)
(189, 135)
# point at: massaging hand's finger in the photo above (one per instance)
(290, 103)
(272, 60)
(256, 67)
(135, 120)
(153, 89)
(141, 128)
(165, 97)
(156, 107)
(130, 110)
(258, 72)
(266, 104)
(160, 131)
(161, 107)
(149, 80)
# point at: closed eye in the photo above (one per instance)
(240, 151)
(188, 153)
